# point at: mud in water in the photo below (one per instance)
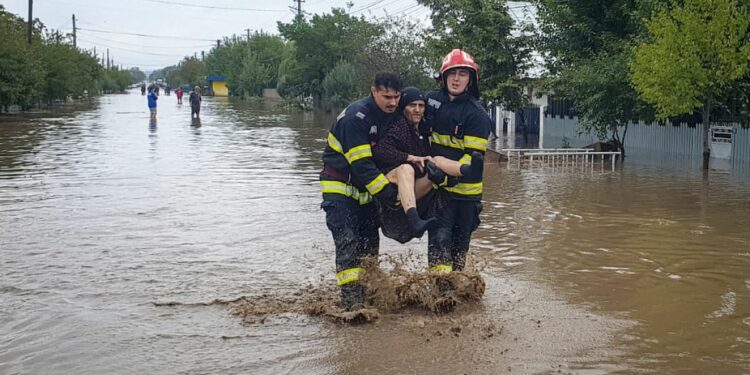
(392, 284)
(638, 270)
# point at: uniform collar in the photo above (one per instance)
(458, 99)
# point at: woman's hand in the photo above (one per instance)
(418, 160)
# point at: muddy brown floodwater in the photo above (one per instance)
(186, 247)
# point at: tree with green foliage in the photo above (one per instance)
(136, 75)
(399, 49)
(249, 66)
(320, 44)
(696, 51)
(483, 28)
(587, 46)
(161, 73)
(341, 86)
(48, 70)
(115, 80)
(603, 99)
(68, 71)
(21, 72)
(191, 70)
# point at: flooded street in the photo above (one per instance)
(116, 235)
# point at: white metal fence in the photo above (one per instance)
(677, 140)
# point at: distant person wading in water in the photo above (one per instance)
(152, 98)
(195, 102)
(178, 93)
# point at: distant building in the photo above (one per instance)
(217, 86)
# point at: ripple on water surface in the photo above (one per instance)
(103, 213)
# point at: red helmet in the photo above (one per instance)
(459, 59)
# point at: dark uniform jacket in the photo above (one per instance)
(458, 127)
(349, 171)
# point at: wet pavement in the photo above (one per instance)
(118, 236)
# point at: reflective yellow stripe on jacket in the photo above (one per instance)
(335, 144)
(376, 185)
(338, 187)
(359, 152)
(475, 143)
(349, 275)
(447, 141)
(465, 188)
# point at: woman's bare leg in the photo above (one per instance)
(403, 176)
(422, 186)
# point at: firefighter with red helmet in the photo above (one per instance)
(351, 181)
(459, 130)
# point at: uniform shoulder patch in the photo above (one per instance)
(360, 115)
(433, 103)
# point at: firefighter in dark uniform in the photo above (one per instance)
(351, 181)
(459, 131)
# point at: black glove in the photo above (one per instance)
(435, 174)
(388, 197)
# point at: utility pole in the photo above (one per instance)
(31, 19)
(74, 31)
(299, 7)
(203, 55)
(218, 43)
(248, 34)
(107, 58)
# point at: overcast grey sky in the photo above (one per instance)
(185, 27)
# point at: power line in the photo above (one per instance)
(368, 6)
(100, 7)
(389, 3)
(417, 11)
(406, 8)
(146, 65)
(128, 50)
(148, 45)
(145, 35)
(214, 7)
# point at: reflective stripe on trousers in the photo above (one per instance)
(354, 228)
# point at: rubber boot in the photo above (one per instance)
(418, 225)
(477, 164)
(435, 174)
(445, 302)
(444, 286)
(352, 297)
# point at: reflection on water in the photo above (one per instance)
(587, 271)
